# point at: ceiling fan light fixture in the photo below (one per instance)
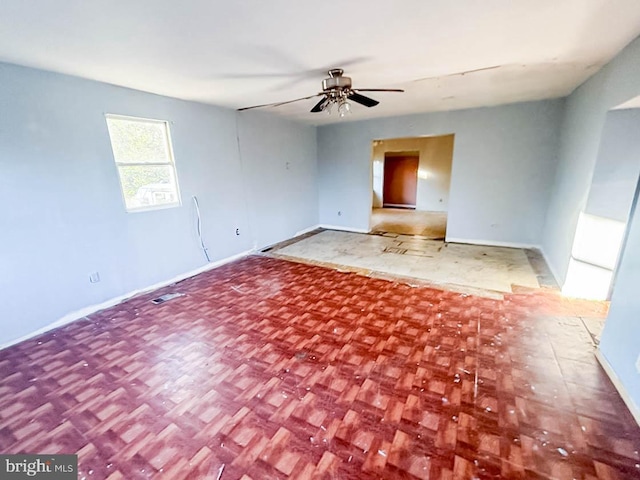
(328, 107)
(344, 108)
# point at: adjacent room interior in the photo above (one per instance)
(411, 178)
(235, 247)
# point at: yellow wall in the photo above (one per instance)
(434, 172)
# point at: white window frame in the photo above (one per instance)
(171, 163)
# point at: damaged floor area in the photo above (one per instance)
(269, 369)
(456, 266)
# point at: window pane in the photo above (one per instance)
(138, 141)
(145, 186)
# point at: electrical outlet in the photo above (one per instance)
(94, 277)
(638, 364)
(237, 231)
(339, 213)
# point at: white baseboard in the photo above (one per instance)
(307, 230)
(83, 312)
(631, 405)
(492, 243)
(398, 205)
(344, 229)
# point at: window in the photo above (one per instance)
(142, 151)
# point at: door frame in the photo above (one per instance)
(373, 175)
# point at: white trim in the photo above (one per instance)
(344, 229)
(83, 312)
(307, 230)
(117, 116)
(406, 206)
(631, 405)
(296, 235)
(492, 243)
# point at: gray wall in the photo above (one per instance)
(585, 114)
(620, 342)
(503, 168)
(279, 160)
(582, 132)
(617, 167)
(62, 214)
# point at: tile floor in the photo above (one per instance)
(409, 222)
(478, 267)
(268, 369)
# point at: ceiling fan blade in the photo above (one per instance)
(277, 104)
(362, 100)
(320, 105)
(378, 90)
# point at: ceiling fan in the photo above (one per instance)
(336, 90)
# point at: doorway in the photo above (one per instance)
(400, 180)
(410, 185)
(603, 227)
(603, 222)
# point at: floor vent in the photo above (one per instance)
(166, 297)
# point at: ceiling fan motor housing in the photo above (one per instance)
(336, 81)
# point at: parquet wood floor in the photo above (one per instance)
(268, 369)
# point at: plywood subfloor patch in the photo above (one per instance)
(479, 267)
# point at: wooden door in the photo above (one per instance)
(400, 181)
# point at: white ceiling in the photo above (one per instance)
(245, 52)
